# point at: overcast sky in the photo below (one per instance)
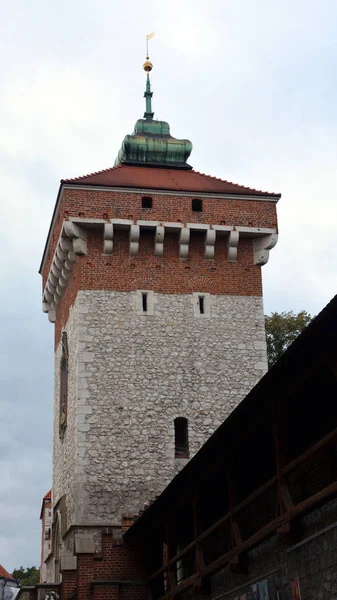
(252, 83)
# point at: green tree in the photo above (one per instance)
(281, 330)
(28, 576)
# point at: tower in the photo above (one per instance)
(152, 276)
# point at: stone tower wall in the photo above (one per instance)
(130, 374)
(136, 374)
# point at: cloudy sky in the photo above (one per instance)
(251, 82)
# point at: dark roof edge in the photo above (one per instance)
(50, 228)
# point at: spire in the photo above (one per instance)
(147, 66)
(151, 143)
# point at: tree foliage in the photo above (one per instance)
(28, 576)
(281, 330)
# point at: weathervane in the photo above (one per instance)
(148, 37)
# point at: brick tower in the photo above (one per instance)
(152, 276)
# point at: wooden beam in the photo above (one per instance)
(181, 553)
(236, 533)
(329, 438)
(213, 527)
(300, 510)
(288, 533)
(287, 500)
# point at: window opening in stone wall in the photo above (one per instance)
(202, 305)
(197, 205)
(64, 383)
(181, 438)
(146, 202)
(144, 302)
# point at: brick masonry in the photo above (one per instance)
(88, 203)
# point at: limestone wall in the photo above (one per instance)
(65, 466)
(136, 374)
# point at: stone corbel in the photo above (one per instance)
(77, 235)
(159, 241)
(84, 543)
(72, 242)
(232, 246)
(210, 238)
(68, 562)
(184, 242)
(134, 240)
(108, 238)
(262, 245)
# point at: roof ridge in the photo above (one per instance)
(91, 174)
(233, 183)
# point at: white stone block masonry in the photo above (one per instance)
(130, 376)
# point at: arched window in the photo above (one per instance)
(64, 383)
(181, 438)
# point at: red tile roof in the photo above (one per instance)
(4, 573)
(47, 496)
(179, 180)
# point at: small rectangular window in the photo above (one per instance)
(144, 302)
(202, 305)
(146, 202)
(197, 205)
(181, 438)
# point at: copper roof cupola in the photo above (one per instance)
(151, 143)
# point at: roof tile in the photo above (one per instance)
(4, 573)
(179, 180)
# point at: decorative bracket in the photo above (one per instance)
(232, 246)
(159, 241)
(72, 242)
(210, 238)
(134, 240)
(184, 242)
(261, 246)
(108, 238)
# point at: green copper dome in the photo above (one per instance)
(151, 144)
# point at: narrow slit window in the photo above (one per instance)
(144, 302)
(64, 369)
(202, 305)
(197, 205)
(181, 438)
(146, 202)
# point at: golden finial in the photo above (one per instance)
(147, 66)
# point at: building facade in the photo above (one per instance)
(46, 517)
(152, 277)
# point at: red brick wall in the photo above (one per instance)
(117, 562)
(69, 583)
(167, 274)
(107, 205)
